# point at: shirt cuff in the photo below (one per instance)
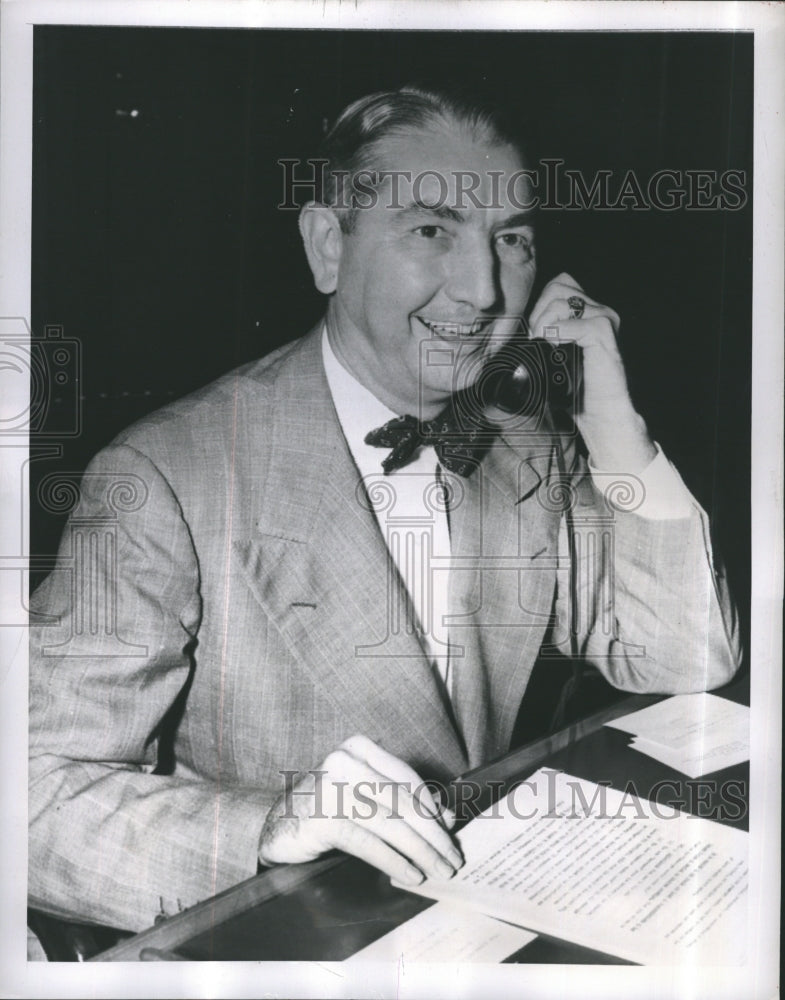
(659, 492)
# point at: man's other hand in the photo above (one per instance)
(366, 802)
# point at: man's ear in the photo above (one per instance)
(323, 242)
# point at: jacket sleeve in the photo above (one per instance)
(644, 599)
(112, 633)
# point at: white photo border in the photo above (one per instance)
(759, 978)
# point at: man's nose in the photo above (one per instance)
(473, 278)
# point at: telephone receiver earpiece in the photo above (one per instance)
(529, 373)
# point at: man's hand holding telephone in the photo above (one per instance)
(568, 351)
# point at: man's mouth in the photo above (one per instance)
(447, 329)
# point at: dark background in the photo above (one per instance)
(158, 246)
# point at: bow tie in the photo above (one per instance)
(460, 440)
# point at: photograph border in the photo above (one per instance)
(759, 977)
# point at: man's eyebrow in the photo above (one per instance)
(519, 219)
(437, 210)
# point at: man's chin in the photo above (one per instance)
(434, 398)
(470, 369)
(441, 381)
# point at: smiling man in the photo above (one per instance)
(340, 563)
(443, 265)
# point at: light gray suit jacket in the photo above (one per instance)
(223, 578)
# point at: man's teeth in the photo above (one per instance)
(455, 329)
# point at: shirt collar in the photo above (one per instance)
(359, 412)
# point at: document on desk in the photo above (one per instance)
(447, 933)
(692, 733)
(607, 870)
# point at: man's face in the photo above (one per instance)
(429, 266)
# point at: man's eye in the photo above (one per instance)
(513, 240)
(429, 232)
(516, 243)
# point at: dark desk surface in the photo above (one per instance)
(329, 909)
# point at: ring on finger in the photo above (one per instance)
(577, 305)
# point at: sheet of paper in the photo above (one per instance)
(695, 762)
(447, 933)
(692, 733)
(607, 870)
(687, 720)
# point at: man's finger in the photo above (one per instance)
(560, 294)
(558, 316)
(373, 796)
(393, 768)
(397, 805)
(364, 844)
(401, 836)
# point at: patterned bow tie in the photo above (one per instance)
(460, 440)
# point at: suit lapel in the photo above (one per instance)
(327, 593)
(504, 550)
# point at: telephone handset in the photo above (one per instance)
(529, 373)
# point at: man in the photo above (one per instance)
(223, 671)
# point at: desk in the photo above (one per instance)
(327, 910)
